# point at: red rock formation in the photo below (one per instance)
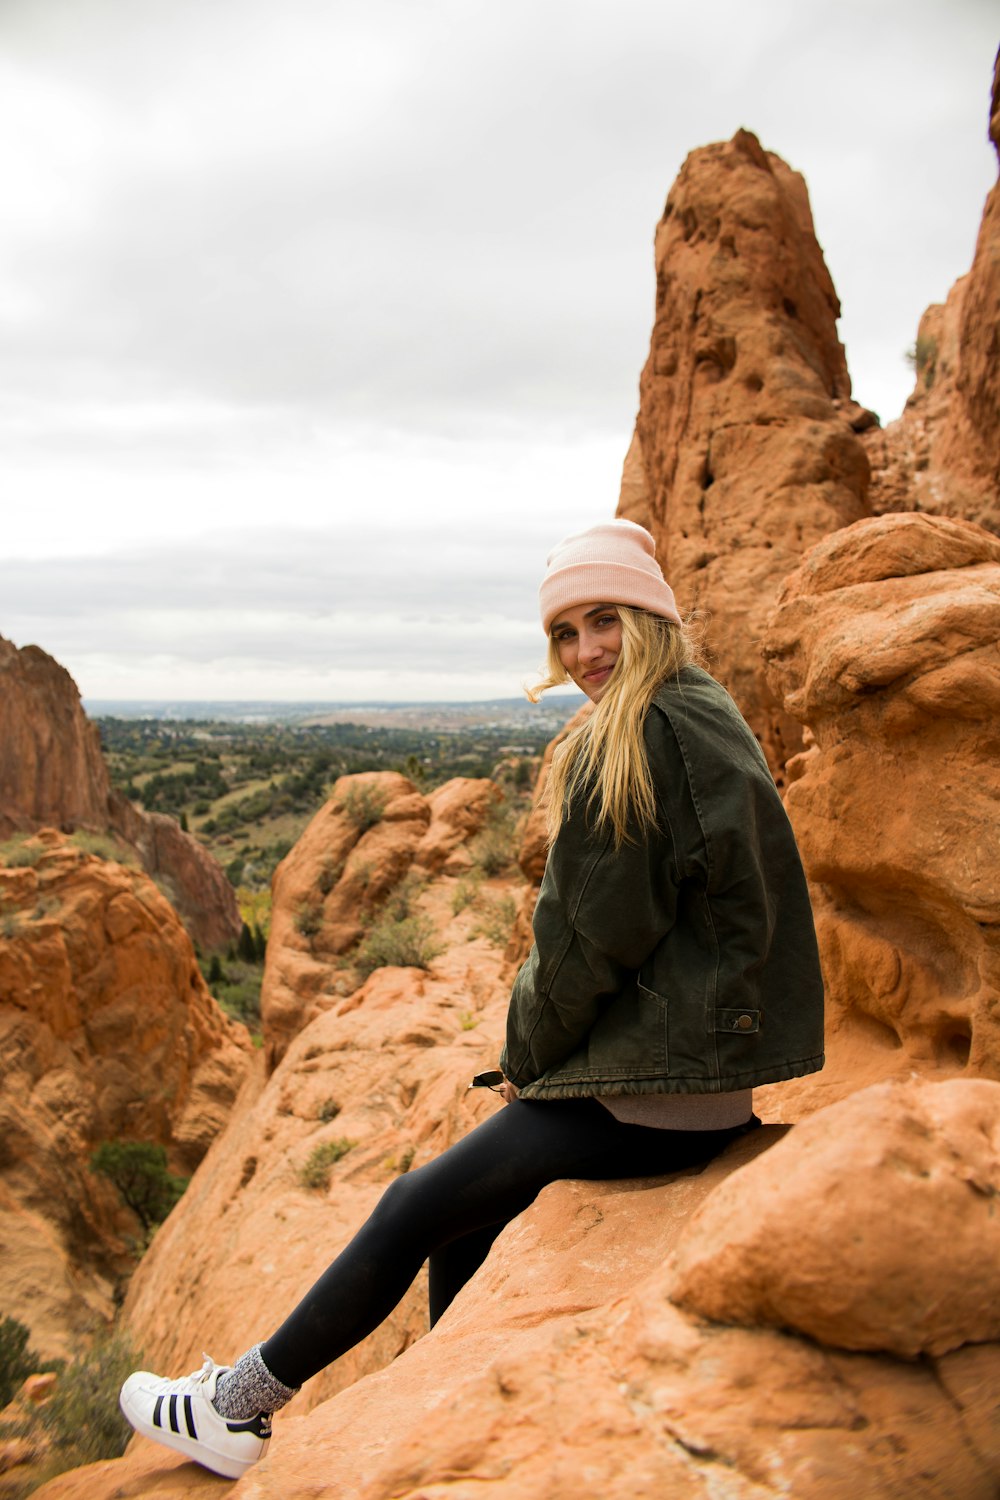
(745, 450)
(563, 1368)
(886, 643)
(192, 877)
(870, 1226)
(386, 1067)
(107, 1032)
(459, 809)
(943, 454)
(52, 773)
(375, 828)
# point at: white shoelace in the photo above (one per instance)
(198, 1377)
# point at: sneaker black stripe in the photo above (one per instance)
(189, 1418)
(260, 1425)
(156, 1411)
(173, 1416)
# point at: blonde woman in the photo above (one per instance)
(674, 969)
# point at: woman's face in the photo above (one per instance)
(588, 639)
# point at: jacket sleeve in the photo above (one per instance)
(600, 914)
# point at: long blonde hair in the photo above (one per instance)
(606, 753)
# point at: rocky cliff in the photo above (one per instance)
(943, 454)
(52, 774)
(746, 448)
(107, 1033)
(886, 644)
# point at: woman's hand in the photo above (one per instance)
(507, 1092)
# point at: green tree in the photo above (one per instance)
(138, 1169)
(246, 948)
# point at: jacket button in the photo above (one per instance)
(745, 1023)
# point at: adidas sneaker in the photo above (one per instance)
(180, 1414)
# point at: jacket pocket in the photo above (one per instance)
(654, 1022)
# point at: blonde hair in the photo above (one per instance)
(606, 753)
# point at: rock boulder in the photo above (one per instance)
(872, 1225)
(107, 1033)
(886, 644)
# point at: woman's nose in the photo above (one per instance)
(590, 646)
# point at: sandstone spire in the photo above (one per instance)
(744, 453)
(943, 454)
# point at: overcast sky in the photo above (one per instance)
(321, 320)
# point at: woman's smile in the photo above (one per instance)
(588, 638)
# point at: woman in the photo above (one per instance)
(674, 968)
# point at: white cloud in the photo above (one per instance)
(286, 268)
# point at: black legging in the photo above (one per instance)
(452, 1210)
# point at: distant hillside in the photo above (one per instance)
(547, 716)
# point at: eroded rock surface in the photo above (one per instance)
(886, 643)
(746, 450)
(373, 831)
(873, 1225)
(564, 1368)
(107, 1033)
(52, 774)
(386, 1069)
(943, 454)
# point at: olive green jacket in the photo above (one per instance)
(686, 960)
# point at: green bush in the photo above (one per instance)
(17, 853)
(493, 848)
(328, 1110)
(239, 995)
(103, 846)
(363, 805)
(138, 1169)
(923, 357)
(466, 891)
(316, 1172)
(308, 919)
(403, 1162)
(17, 1360)
(495, 920)
(82, 1418)
(329, 875)
(391, 942)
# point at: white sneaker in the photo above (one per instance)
(180, 1414)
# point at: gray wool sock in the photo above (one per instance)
(249, 1388)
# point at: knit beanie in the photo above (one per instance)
(614, 563)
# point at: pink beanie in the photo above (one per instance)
(614, 563)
